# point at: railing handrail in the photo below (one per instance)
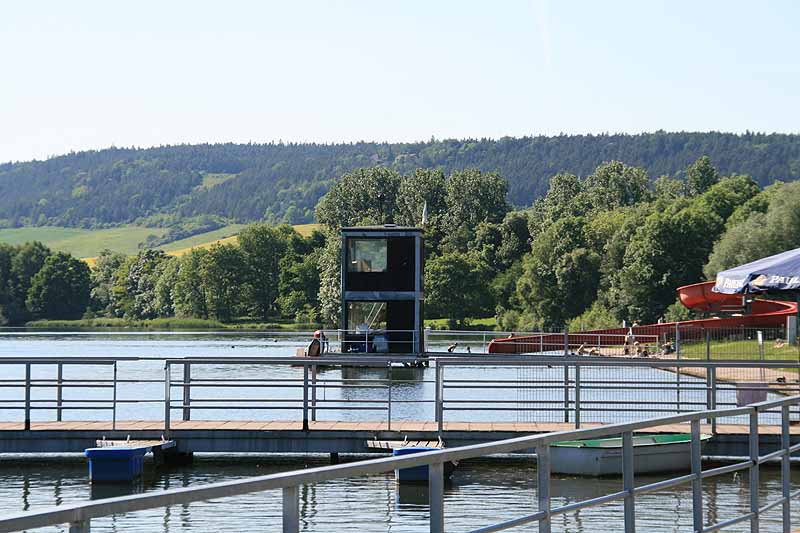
(481, 359)
(84, 512)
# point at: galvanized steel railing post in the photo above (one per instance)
(389, 397)
(80, 527)
(786, 472)
(439, 396)
(59, 391)
(577, 396)
(697, 481)
(436, 496)
(627, 482)
(27, 396)
(187, 391)
(566, 341)
(566, 394)
(167, 387)
(114, 400)
(713, 398)
(305, 397)
(291, 509)
(543, 488)
(754, 478)
(313, 393)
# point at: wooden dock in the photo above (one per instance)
(375, 426)
(237, 436)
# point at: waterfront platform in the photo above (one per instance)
(220, 436)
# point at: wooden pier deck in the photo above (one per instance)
(375, 426)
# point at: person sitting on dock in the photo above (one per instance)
(642, 351)
(582, 350)
(314, 348)
(667, 348)
(779, 343)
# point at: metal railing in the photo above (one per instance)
(498, 389)
(79, 516)
(33, 389)
(519, 389)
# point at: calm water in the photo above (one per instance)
(481, 492)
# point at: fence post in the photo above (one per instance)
(566, 341)
(389, 392)
(27, 396)
(59, 391)
(436, 496)
(566, 393)
(291, 510)
(697, 482)
(577, 396)
(313, 393)
(305, 397)
(187, 391)
(708, 345)
(627, 481)
(677, 341)
(786, 472)
(114, 400)
(167, 387)
(440, 396)
(754, 478)
(543, 488)
(713, 398)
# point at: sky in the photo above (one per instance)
(92, 74)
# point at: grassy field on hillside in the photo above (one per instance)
(225, 234)
(82, 242)
(87, 243)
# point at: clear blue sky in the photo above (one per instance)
(90, 74)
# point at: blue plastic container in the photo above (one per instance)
(417, 473)
(113, 465)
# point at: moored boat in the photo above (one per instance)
(603, 457)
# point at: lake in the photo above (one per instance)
(481, 491)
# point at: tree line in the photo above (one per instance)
(191, 188)
(594, 250)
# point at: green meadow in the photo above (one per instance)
(82, 242)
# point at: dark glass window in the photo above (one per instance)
(366, 316)
(366, 255)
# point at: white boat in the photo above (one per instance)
(603, 457)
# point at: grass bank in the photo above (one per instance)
(477, 324)
(168, 324)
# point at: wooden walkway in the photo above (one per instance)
(398, 426)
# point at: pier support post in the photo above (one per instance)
(697, 482)
(80, 527)
(627, 482)
(436, 496)
(754, 477)
(291, 510)
(543, 485)
(786, 472)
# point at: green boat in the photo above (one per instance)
(603, 457)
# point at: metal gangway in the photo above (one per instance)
(79, 516)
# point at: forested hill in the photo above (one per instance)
(283, 182)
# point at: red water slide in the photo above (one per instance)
(761, 313)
